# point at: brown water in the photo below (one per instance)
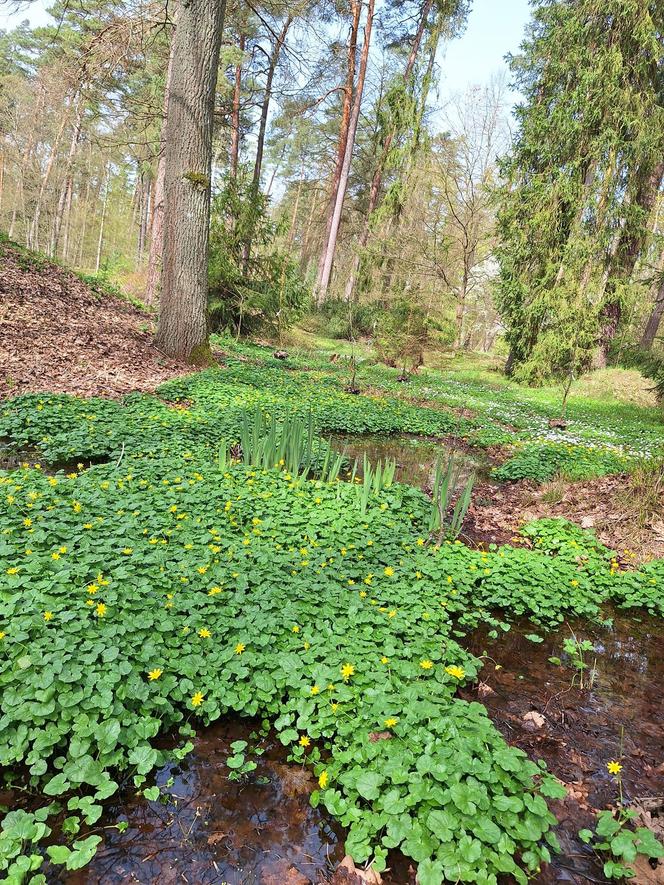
(262, 830)
(620, 715)
(211, 830)
(415, 456)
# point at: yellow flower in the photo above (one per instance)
(392, 614)
(155, 674)
(128, 551)
(614, 767)
(323, 780)
(420, 542)
(92, 589)
(100, 611)
(204, 633)
(335, 707)
(391, 721)
(27, 522)
(384, 660)
(213, 591)
(457, 672)
(388, 571)
(87, 525)
(307, 646)
(295, 628)
(363, 594)
(347, 671)
(77, 506)
(315, 689)
(12, 571)
(48, 616)
(2, 634)
(239, 648)
(197, 699)
(55, 556)
(426, 664)
(304, 741)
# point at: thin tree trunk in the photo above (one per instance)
(624, 262)
(377, 180)
(652, 326)
(330, 247)
(33, 235)
(234, 158)
(356, 6)
(183, 321)
(100, 240)
(155, 255)
(262, 127)
(67, 186)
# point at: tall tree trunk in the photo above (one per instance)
(377, 180)
(183, 320)
(262, 127)
(100, 240)
(68, 184)
(652, 326)
(655, 318)
(330, 248)
(627, 254)
(33, 235)
(155, 255)
(234, 158)
(356, 8)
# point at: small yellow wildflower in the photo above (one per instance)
(214, 591)
(100, 611)
(426, 664)
(204, 633)
(390, 722)
(457, 672)
(239, 648)
(197, 699)
(315, 689)
(295, 628)
(614, 767)
(48, 616)
(304, 741)
(27, 522)
(128, 551)
(12, 571)
(388, 571)
(155, 674)
(323, 780)
(384, 660)
(347, 670)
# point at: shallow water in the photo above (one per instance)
(619, 716)
(262, 830)
(210, 829)
(415, 456)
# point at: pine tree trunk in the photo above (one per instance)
(68, 184)
(326, 273)
(377, 180)
(100, 240)
(262, 127)
(234, 158)
(183, 321)
(343, 138)
(155, 255)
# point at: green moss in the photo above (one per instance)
(198, 179)
(201, 355)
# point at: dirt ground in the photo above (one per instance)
(57, 335)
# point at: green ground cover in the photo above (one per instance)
(159, 591)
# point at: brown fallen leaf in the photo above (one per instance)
(533, 719)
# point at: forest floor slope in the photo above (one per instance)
(58, 335)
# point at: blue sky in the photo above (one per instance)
(495, 27)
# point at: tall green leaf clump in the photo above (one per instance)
(580, 180)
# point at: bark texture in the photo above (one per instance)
(183, 319)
